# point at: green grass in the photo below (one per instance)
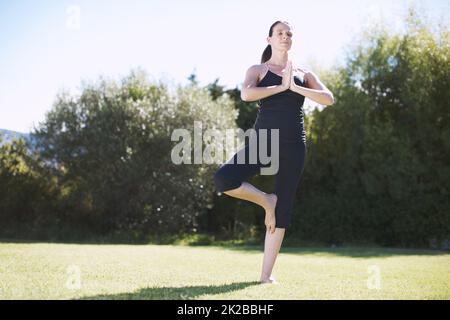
(46, 271)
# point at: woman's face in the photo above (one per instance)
(281, 37)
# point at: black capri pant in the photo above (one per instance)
(291, 164)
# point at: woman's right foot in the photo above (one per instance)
(271, 203)
(270, 210)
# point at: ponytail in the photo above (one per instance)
(266, 54)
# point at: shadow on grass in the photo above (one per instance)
(174, 293)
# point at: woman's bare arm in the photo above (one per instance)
(315, 90)
(250, 91)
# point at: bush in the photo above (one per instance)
(110, 148)
(378, 171)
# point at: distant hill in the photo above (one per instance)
(9, 135)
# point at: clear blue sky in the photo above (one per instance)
(49, 45)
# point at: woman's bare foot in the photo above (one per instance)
(270, 212)
(268, 280)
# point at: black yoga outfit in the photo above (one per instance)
(283, 111)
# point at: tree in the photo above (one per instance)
(111, 150)
(28, 194)
(378, 170)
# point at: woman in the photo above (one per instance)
(281, 95)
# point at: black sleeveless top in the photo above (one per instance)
(284, 99)
(283, 110)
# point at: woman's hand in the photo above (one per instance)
(293, 84)
(287, 76)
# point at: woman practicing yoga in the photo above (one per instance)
(281, 95)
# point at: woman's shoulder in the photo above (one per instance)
(257, 71)
(257, 67)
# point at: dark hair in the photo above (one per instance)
(268, 50)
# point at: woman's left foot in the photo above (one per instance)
(269, 280)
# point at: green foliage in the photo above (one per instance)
(111, 147)
(28, 194)
(377, 169)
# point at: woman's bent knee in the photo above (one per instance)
(224, 182)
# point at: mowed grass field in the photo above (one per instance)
(93, 271)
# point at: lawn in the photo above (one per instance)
(98, 271)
